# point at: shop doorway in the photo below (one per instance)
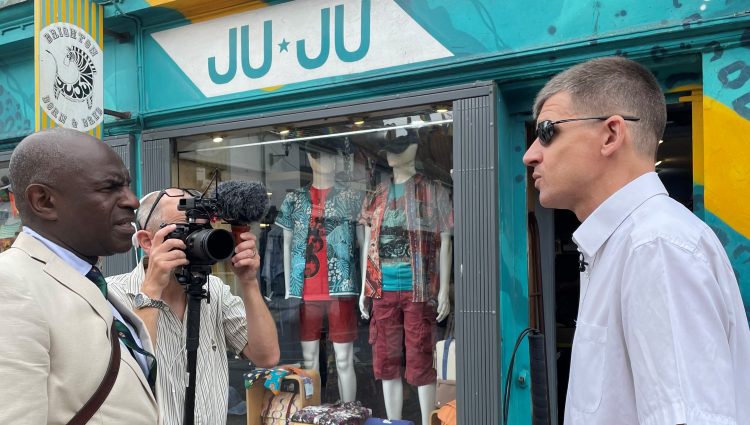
(558, 262)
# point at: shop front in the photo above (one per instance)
(396, 252)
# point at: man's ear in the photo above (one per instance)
(41, 201)
(616, 135)
(144, 240)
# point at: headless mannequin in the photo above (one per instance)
(403, 169)
(324, 174)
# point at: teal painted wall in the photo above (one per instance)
(469, 30)
(473, 32)
(724, 180)
(16, 97)
(514, 296)
(120, 81)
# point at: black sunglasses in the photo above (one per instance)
(545, 130)
(172, 193)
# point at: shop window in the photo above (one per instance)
(10, 221)
(340, 189)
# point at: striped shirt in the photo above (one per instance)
(222, 328)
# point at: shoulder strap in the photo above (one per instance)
(96, 400)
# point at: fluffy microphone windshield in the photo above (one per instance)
(242, 202)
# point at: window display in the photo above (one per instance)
(319, 255)
(356, 249)
(10, 222)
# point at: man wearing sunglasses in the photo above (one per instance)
(661, 336)
(153, 292)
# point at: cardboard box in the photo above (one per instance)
(257, 393)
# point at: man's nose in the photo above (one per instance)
(533, 154)
(130, 200)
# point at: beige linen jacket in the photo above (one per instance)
(55, 344)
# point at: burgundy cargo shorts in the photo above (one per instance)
(396, 320)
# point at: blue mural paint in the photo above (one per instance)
(699, 208)
(172, 89)
(727, 79)
(454, 27)
(734, 75)
(16, 101)
(694, 18)
(717, 48)
(475, 28)
(741, 105)
(737, 247)
(364, 37)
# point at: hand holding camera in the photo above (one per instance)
(246, 260)
(165, 255)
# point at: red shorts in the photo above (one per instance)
(342, 322)
(397, 319)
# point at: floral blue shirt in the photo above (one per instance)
(342, 206)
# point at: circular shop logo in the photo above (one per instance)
(70, 77)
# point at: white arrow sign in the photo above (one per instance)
(295, 42)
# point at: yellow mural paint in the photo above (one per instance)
(726, 165)
(698, 134)
(272, 88)
(696, 100)
(201, 10)
(685, 88)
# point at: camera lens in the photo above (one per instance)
(210, 245)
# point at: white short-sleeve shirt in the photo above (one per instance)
(662, 335)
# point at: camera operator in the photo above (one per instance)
(156, 296)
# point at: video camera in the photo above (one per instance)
(235, 202)
(204, 244)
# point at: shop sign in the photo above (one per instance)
(295, 42)
(70, 77)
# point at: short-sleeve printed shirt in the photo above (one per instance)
(339, 217)
(428, 213)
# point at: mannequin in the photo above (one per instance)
(310, 268)
(402, 161)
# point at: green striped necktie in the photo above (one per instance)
(126, 337)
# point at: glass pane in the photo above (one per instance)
(10, 222)
(354, 202)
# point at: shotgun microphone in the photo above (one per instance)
(242, 202)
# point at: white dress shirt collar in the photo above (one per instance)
(607, 217)
(80, 265)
